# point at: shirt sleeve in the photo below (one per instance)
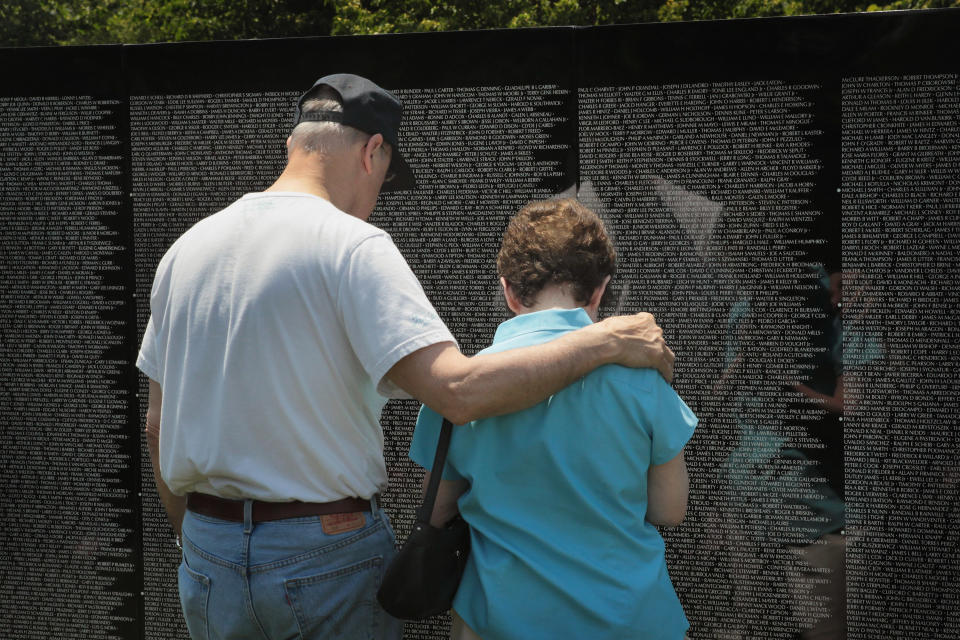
(426, 435)
(147, 360)
(672, 421)
(385, 311)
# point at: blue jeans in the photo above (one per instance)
(285, 579)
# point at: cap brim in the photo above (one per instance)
(403, 179)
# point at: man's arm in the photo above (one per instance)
(465, 389)
(174, 504)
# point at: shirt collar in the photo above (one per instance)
(560, 320)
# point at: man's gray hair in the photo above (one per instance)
(324, 137)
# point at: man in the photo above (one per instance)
(562, 497)
(278, 328)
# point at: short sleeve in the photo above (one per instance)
(385, 311)
(672, 422)
(147, 360)
(426, 435)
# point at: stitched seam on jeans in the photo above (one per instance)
(210, 557)
(329, 548)
(212, 520)
(196, 576)
(373, 562)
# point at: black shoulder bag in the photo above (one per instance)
(423, 577)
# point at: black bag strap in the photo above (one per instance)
(426, 509)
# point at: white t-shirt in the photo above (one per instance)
(273, 323)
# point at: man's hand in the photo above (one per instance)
(640, 343)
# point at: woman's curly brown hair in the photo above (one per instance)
(555, 241)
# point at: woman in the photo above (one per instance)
(562, 498)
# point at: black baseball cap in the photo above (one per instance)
(371, 109)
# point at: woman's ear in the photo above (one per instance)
(593, 306)
(512, 301)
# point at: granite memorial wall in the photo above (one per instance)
(783, 194)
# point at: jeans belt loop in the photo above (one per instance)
(247, 516)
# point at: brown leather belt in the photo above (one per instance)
(225, 509)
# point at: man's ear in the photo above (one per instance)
(512, 301)
(373, 143)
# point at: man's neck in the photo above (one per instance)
(300, 184)
(317, 175)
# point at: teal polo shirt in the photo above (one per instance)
(558, 498)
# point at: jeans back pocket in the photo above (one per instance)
(194, 599)
(340, 603)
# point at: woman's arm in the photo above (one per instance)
(667, 490)
(445, 506)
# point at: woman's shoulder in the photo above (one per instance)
(635, 380)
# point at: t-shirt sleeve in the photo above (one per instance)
(672, 421)
(385, 311)
(147, 360)
(426, 435)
